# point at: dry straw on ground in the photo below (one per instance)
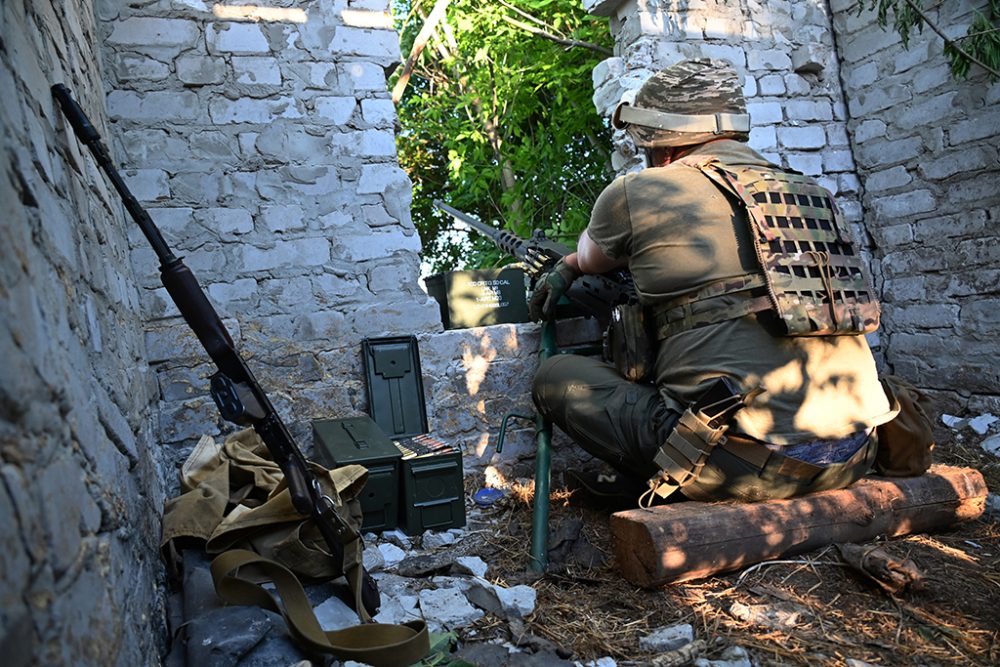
(808, 610)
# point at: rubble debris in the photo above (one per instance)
(778, 615)
(892, 574)
(667, 638)
(682, 655)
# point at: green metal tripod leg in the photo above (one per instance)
(543, 467)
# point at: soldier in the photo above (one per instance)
(751, 285)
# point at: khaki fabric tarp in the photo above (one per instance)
(234, 496)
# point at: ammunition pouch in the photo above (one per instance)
(629, 345)
(699, 430)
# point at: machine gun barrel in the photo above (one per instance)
(592, 295)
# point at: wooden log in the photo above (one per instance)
(690, 540)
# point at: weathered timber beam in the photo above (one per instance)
(690, 540)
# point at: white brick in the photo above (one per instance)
(869, 129)
(200, 70)
(362, 246)
(810, 164)
(376, 178)
(772, 59)
(257, 70)
(236, 38)
(763, 138)
(904, 205)
(838, 160)
(365, 75)
(887, 179)
(282, 218)
(764, 113)
(129, 67)
(337, 109)
(379, 112)
(147, 184)
(152, 32)
(298, 253)
(227, 220)
(160, 105)
(802, 137)
(378, 143)
(381, 45)
(808, 110)
(772, 84)
(245, 110)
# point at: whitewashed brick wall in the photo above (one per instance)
(80, 486)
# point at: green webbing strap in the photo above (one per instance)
(377, 644)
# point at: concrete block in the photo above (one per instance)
(283, 218)
(154, 32)
(147, 184)
(296, 253)
(869, 129)
(377, 143)
(133, 67)
(873, 100)
(769, 59)
(257, 70)
(986, 124)
(763, 138)
(929, 111)
(360, 246)
(200, 70)
(810, 164)
(244, 110)
(379, 112)
(771, 84)
(808, 110)
(877, 153)
(377, 178)
(226, 221)
(811, 136)
(447, 608)
(764, 113)
(338, 110)
(887, 179)
(382, 46)
(236, 38)
(904, 205)
(364, 75)
(838, 160)
(153, 106)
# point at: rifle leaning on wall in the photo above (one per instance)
(234, 389)
(593, 295)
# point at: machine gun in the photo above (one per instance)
(234, 389)
(592, 295)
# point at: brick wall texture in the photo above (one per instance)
(80, 487)
(261, 139)
(910, 153)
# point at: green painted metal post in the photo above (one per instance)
(543, 466)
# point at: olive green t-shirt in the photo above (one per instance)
(680, 232)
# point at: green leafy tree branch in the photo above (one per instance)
(980, 45)
(494, 102)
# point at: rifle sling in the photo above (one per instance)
(377, 644)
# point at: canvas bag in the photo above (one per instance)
(906, 443)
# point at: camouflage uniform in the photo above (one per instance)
(809, 430)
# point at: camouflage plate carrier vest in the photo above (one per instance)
(813, 278)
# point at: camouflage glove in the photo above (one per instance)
(549, 288)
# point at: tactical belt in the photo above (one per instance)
(717, 302)
(760, 456)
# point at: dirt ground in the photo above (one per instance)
(809, 610)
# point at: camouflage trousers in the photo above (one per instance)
(624, 424)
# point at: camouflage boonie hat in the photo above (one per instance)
(687, 103)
